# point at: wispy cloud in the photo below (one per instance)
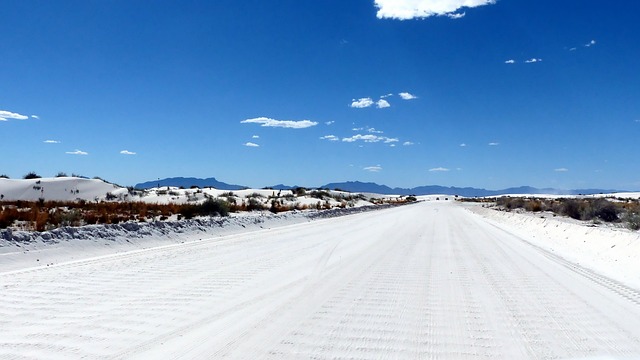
(463, 145)
(361, 103)
(127, 152)
(77, 152)
(590, 43)
(35, 116)
(376, 168)
(561, 170)
(510, 61)
(51, 142)
(410, 9)
(407, 96)
(255, 137)
(407, 143)
(439, 169)
(6, 115)
(250, 144)
(329, 123)
(573, 49)
(370, 138)
(291, 124)
(382, 103)
(456, 15)
(386, 96)
(494, 144)
(330, 138)
(532, 60)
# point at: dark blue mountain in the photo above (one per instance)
(357, 186)
(189, 182)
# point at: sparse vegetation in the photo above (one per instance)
(31, 175)
(586, 209)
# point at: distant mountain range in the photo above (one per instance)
(369, 187)
(189, 182)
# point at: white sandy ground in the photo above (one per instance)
(426, 281)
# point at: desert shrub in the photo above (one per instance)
(534, 205)
(254, 204)
(601, 209)
(300, 191)
(254, 195)
(4, 176)
(633, 220)
(31, 175)
(411, 198)
(214, 207)
(61, 174)
(320, 194)
(571, 208)
(227, 194)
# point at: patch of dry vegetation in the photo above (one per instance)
(610, 210)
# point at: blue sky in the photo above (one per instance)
(502, 93)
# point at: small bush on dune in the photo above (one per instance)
(31, 175)
(3, 176)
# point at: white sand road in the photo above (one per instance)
(425, 281)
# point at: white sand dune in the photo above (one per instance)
(430, 280)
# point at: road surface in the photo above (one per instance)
(424, 281)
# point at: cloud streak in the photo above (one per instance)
(127, 152)
(411, 9)
(6, 115)
(77, 152)
(370, 138)
(250, 144)
(376, 168)
(407, 96)
(52, 142)
(439, 169)
(330, 138)
(561, 170)
(290, 124)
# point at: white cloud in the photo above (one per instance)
(255, 137)
(392, 145)
(510, 61)
(370, 138)
(329, 122)
(638, 120)
(439, 169)
(573, 49)
(407, 96)
(250, 144)
(35, 116)
(532, 60)
(382, 103)
(410, 9)
(456, 15)
(77, 152)
(374, 131)
(361, 103)
(407, 143)
(127, 152)
(463, 145)
(330, 138)
(376, 168)
(590, 43)
(267, 122)
(561, 170)
(51, 142)
(494, 144)
(6, 115)
(386, 96)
